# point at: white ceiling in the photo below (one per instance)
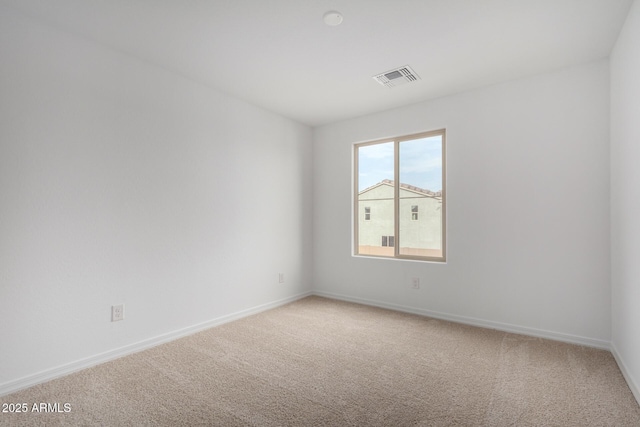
(279, 54)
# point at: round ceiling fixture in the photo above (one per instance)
(332, 18)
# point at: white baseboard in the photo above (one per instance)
(60, 371)
(633, 385)
(506, 327)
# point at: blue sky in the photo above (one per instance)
(420, 163)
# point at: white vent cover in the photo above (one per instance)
(397, 77)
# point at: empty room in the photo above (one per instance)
(320, 213)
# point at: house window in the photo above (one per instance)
(388, 241)
(403, 179)
(414, 212)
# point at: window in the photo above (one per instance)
(414, 212)
(403, 180)
(388, 241)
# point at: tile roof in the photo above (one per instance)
(409, 187)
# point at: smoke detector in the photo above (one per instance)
(397, 77)
(332, 18)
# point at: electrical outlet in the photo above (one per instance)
(415, 283)
(281, 278)
(117, 312)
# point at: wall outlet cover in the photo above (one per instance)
(117, 312)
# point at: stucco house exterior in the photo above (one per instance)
(420, 220)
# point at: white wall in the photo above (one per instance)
(528, 208)
(124, 183)
(625, 199)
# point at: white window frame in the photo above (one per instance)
(396, 141)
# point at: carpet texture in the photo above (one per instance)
(320, 362)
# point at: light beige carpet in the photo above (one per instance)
(319, 362)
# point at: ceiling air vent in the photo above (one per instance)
(397, 77)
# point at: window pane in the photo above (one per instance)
(414, 212)
(420, 171)
(399, 197)
(375, 190)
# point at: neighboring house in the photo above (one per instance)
(420, 220)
